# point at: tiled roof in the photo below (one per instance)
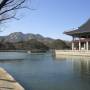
(81, 31)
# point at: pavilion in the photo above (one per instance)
(81, 37)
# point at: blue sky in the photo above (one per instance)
(50, 18)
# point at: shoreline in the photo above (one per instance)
(8, 82)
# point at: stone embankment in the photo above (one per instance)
(72, 53)
(7, 82)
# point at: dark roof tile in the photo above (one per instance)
(85, 28)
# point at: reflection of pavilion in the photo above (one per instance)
(82, 66)
(81, 37)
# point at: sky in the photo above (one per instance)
(50, 18)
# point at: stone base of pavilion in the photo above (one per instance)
(72, 53)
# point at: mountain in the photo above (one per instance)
(35, 42)
(15, 37)
(19, 36)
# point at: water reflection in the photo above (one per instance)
(80, 65)
(11, 61)
(45, 72)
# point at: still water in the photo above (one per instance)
(45, 72)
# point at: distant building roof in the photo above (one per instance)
(82, 31)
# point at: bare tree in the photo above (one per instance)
(8, 8)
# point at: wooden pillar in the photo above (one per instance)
(73, 44)
(87, 47)
(79, 45)
(87, 44)
(84, 45)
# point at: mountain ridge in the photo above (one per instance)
(19, 36)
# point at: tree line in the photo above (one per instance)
(35, 45)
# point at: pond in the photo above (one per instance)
(45, 72)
